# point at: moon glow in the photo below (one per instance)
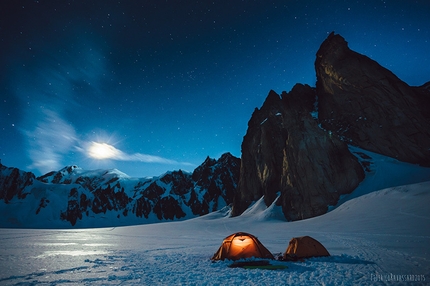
(102, 151)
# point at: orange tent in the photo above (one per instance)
(241, 245)
(304, 247)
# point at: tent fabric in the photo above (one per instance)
(304, 247)
(241, 245)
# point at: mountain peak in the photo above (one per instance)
(69, 169)
(334, 45)
(369, 106)
(272, 99)
(285, 150)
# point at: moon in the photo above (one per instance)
(102, 151)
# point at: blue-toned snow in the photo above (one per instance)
(377, 235)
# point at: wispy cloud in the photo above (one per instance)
(102, 151)
(49, 87)
(56, 84)
(50, 139)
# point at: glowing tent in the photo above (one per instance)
(304, 247)
(241, 245)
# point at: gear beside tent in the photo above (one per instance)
(241, 245)
(304, 247)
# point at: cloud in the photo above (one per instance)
(50, 139)
(60, 82)
(102, 151)
(56, 82)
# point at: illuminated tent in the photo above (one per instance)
(241, 245)
(304, 247)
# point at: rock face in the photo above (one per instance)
(369, 106)
(304, 159)
(109, 197)
(286, 153)
(13, 182)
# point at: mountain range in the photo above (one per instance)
(296, 154)
(76, 197)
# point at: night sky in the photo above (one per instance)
(151, 86)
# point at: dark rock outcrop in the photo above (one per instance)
(73, 211)
(369, 106)
(13, 183)
(286, 153)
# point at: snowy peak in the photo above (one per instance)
(215, 183)
(89, 179)
(85, 198)
(59, 177)
(223, 164)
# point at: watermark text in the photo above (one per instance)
(390, 277)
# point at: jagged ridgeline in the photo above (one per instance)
(76, 197)
(295, 153)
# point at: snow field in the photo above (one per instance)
(366, 246)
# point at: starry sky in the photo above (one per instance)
(152, 86)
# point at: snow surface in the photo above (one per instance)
(376, 236)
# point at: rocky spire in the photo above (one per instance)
(369, 106)
(286, 153)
